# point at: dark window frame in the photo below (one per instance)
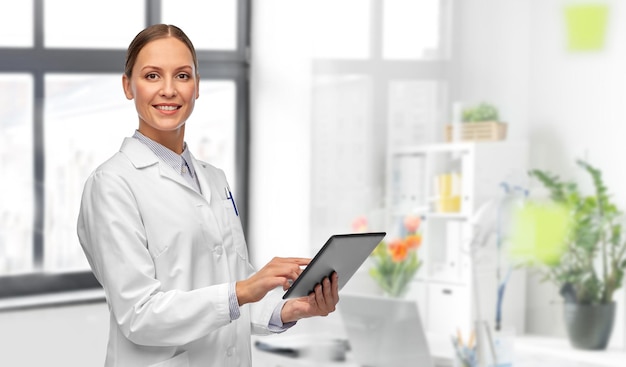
(37, 61)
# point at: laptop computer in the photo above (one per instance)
(384, 332)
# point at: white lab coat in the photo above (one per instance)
(165, 254)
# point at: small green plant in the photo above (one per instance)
(481, 112)
(592, 266)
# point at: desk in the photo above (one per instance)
(313, 354)
(556, 352)
(530, 351)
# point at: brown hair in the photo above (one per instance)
(151, 33)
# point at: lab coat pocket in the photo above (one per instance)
(180, 360)
(236, 230)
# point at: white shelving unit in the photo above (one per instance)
(443, 286)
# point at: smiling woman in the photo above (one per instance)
(163, 235)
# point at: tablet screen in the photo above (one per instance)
(343, 253)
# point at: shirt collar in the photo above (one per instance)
(177, 162)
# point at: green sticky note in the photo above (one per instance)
(539, 232)
(586, 26)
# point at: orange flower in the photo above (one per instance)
(413, 241)
(398, 250)
(412, 223)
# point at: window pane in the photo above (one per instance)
(411, 29)
(414, 111)
(346, 29)
(210, 131)
(86, 118)
(16, 25)
(347, 153)
(210, 25)
(16, 173)
(108, 24)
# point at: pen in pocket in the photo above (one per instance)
(230, 197)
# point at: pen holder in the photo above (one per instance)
(461, 361)
(492, 349)
(465, 353)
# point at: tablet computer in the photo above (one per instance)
(343, 253)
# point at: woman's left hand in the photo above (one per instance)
(321, 302)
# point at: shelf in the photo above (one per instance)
(414, 185)
(450, 216)
(432, 148)
(446, 147)
(432, 215)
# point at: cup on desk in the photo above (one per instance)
(503, 342)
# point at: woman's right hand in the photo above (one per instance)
(280, 271)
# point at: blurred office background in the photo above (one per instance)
(300, 103)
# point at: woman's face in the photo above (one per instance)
(164, 86)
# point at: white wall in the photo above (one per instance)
(576, 109)
(577, 98)
(569, 105)
(69, 336)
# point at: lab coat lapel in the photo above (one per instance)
(169, 173)
(203, 178)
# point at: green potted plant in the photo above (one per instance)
(480, 113)
(480, 122)
(591, 268)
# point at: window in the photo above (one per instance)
(16, 26)
(92, 29)
(380, 82)
(82, 129)
(16, 163)
(213, 28)
(64, 112)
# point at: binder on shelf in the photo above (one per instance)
(408, 183)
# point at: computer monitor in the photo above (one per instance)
(384, 331)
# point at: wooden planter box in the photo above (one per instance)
(478, 131)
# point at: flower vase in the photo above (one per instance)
(395, 263)
(395, 278)
(393, 290)
(398, 295)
